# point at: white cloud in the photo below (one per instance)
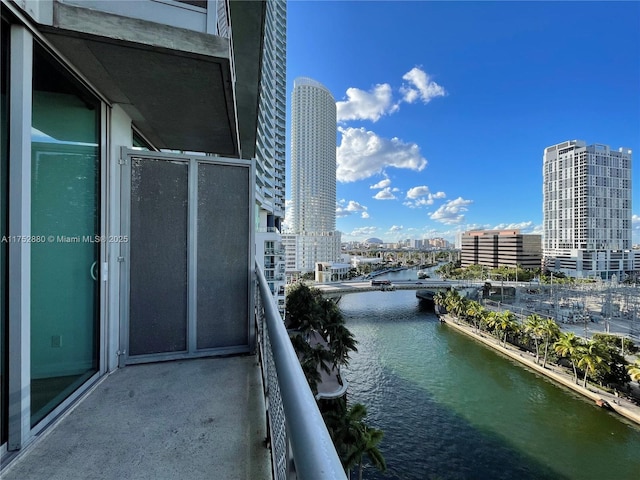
(362, 154)
(420, 87)
(384, 194)
(396, 228)
(523, 226)
(344, 208)
(416, 192)
(361, 105)
(363, 231)
(365, 215)
(381, 184)
(635, 220)
(451, 212)
(422, 197)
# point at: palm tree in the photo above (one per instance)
(533, 328)
(452, 297)
(492, 319)
(341, 343)
(368, 446)
(591, 358)
(302, 311)
(475, 312)
(459, 308)
(634, 371)
(568, 346)
(551, 331)
(354, 439)
(505, 323)
(440, 298)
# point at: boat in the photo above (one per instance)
(603, 404)
(422, 274)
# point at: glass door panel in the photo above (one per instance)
(65, 215)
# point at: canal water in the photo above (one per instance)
(451, 408)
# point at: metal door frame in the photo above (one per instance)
(123, 259)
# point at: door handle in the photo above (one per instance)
(92, 270)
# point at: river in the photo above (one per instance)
(452, 408)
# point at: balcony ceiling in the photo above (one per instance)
(175, 84)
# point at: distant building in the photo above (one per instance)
(501, 248)
(331, 271)
(313, 177)
(587, 210)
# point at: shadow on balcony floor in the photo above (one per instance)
(192, 419)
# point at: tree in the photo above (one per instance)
(550, 331)
(591, 357)
(634, 371)
(368, 447)
(506, 323)
(568, 346)
(475, 312)
(533, 328)
(352, 437)
(302, 308)
(341, 344)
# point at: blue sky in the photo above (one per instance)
(445, 108)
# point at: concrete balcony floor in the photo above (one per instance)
(189, 419)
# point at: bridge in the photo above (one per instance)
(338, 289)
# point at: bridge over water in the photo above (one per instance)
(338, 289)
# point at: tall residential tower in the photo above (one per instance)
(587, 210)
(271, 149)
(313, 175)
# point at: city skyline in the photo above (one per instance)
(445, 108)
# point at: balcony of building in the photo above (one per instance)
(240, 417)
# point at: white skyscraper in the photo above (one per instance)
(587, 210)
(313, 174)
(271, 148)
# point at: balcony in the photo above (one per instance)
(198, 419)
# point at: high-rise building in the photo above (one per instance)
(271, 149)
(587, 210)
(501, 248)
(313, 175)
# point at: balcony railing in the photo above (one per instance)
(300, 444)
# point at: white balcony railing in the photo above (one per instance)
(295, 423)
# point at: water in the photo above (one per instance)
(454, 409)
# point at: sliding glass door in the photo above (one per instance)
(65, 220)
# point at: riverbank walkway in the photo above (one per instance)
(619, 405)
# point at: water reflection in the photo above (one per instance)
(453, 409)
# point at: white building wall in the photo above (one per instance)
(313, 175)
(587, 209)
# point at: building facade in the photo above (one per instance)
(313, 175)
(587, 210)
(115, 248)
(271, 149)
(501, 248)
